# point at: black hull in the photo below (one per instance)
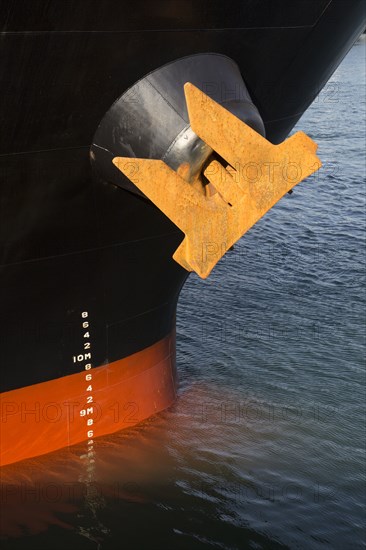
(71, 243)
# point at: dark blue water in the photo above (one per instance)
(265, 447)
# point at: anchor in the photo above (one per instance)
(244, 177)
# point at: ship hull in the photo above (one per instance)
(44, 417)
(72, 244)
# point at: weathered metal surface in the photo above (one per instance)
(255, 176)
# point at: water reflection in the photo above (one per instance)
(176, 475)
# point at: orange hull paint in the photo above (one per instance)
(45, 417)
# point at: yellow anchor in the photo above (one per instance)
(256, 175)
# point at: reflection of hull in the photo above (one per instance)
(71, 244)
